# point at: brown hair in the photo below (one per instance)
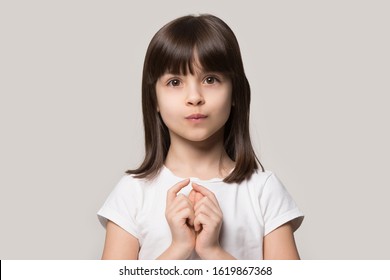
(172, 50)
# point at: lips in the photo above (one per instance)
(196, 117)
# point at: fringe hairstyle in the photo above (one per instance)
(172, 50)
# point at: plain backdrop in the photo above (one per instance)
(71, 123)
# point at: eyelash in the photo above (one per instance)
(171, 81)
(215, 80)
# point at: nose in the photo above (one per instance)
(194, 96)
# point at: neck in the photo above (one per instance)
(204, 159)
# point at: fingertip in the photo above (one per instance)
(172, 192)
(186, 180)
(184, 183)
(199, 188)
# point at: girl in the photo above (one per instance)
(199, 192)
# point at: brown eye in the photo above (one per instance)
(210, 80)
(174, 83)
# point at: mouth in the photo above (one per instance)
(196, 117)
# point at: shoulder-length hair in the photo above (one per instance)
(172, 49)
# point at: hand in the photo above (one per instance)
(207, 222)
(180, 217)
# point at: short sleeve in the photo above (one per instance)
(277, 206)
(121, 206)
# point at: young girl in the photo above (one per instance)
(199, 192)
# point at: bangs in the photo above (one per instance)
(187, 45)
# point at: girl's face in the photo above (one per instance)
(194, 107)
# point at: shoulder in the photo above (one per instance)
(128, 183)
(261, 178)
(129, 193)
(264, 182)
(129, 186)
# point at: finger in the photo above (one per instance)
(198, 196)
(201, 221)
(208, 209)
(191, 217)
(206, 222)
(205, 192)
(172, 192)
(180, 203)
(190, 206)
(191, 196)
(182, 216)
(197, 223)
(195, 196)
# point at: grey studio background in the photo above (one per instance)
(71, 124)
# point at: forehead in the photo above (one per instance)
(193, 66)
(184, 64)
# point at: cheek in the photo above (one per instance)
(161, 102)
(223, 104)
(227, 107)
(226, 112)
(168, 110)
(166, 113)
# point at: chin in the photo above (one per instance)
(195, 138)
(201, 137)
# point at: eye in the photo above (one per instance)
(210, 80)
(174, 83)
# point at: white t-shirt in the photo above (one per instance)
(251, 210)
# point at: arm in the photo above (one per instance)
(119, 244)
(280, 244)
